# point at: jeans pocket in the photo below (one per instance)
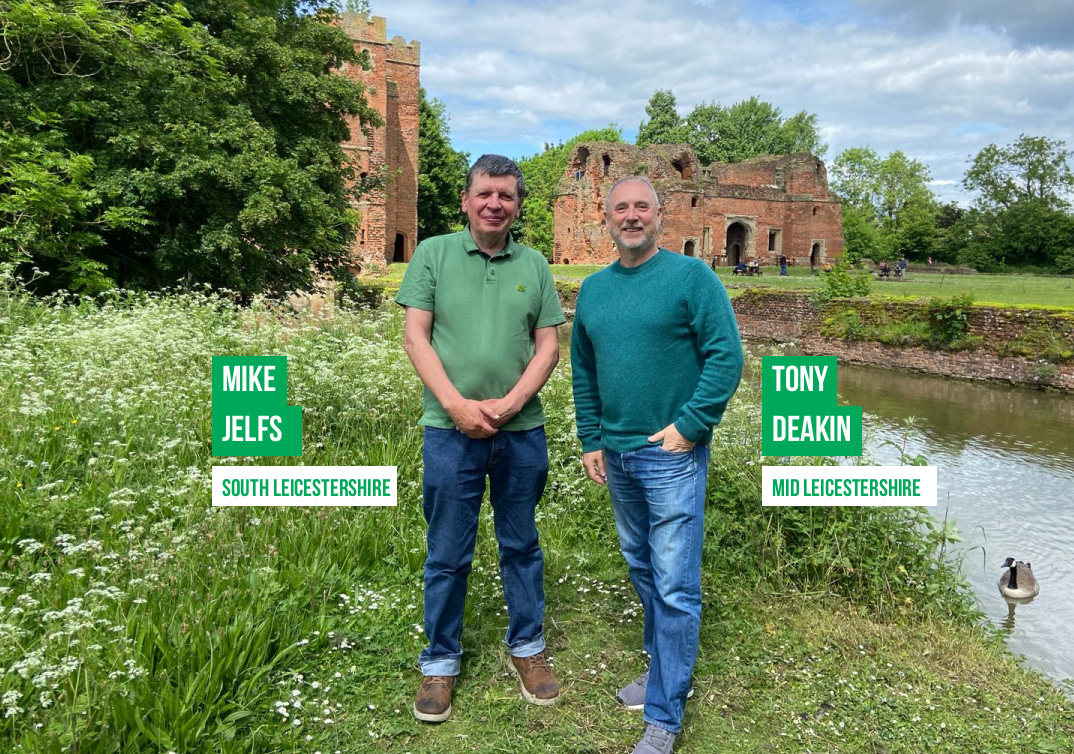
(675, 453)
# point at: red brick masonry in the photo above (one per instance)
(389, 229)
(758, 209)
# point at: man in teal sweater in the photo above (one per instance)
(656, 356)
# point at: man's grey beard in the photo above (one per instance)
(642, 244)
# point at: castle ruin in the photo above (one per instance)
(759, 209)
(389, 231)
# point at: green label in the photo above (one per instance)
(250, 412)
(800, 415)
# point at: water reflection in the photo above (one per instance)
(1007, 624)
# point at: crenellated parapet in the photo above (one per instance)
(363, 27)
(401, 51)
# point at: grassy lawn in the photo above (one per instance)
(134, 617)
(1004, 290)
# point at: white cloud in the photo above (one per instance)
(534, 72)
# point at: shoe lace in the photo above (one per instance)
(658, 738)
(537, 662)
(433, 680)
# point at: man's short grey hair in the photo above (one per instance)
(495, 165)
(628, 179)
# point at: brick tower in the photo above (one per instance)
(389, 229)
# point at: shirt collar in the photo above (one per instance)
(470, 244)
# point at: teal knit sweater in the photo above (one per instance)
(652, 345)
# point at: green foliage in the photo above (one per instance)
(843, 282)
(441, 172)
(845, 325)
(145, 145)
(1039, 342)
(949, 321)
(664, 125)
(863, 238)
(848, 324)
(720, 133)
(1028, 233)
(892, 210)
(147, 621)
(1033, 169)
(542, 172)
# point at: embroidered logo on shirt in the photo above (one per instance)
(521, 289)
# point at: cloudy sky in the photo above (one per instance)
(938, 79)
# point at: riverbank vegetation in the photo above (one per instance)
(135, 617)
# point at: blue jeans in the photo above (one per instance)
(516, 464)
(783, 269)
(658, 499)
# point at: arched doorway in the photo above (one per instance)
(688, 248)
(813, 254)
(400, 248)
(736, 242)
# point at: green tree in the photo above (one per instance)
(542, 173)
(730, 134)
(1022, 214)
(196, 141)
(855, 177)
(863, 239)
(664, 125)
(893, 195)
(801, 133)
(1029, 233)
(441, 171)
(748, 129)
(1034, 168)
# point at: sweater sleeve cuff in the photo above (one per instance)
(588, 445)
(689, 428)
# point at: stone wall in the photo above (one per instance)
(790, 316)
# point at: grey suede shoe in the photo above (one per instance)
(632, 696)
(655, 741)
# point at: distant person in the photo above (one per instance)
(656, 356)
(783, 265)
(481, 318)
(740, 268)
(930, 261)
(885, 271)
(712, 264)
(902, 264)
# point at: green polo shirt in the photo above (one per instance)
(484, 313)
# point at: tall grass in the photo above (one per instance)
(135, 617)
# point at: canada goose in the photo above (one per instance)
(1017, 581)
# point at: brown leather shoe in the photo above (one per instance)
(433, 702)
(536, 680)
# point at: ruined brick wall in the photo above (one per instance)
(788, 195)
(765, 314)
(789, 316)
(391, 214)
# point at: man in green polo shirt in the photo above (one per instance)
(481, 331)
